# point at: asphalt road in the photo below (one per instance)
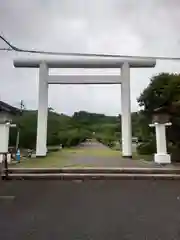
(98, 210)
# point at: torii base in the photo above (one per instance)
(127, 157)
(161, 158)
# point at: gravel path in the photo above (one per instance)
(96, 154)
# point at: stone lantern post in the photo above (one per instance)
(6, 114)
(160, 122)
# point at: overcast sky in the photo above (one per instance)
(135, 27)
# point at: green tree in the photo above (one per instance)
(163, 91)
(66, 130)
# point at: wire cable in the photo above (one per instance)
(77, 54)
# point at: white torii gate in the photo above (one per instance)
(45, 79)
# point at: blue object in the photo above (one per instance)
(18, 156)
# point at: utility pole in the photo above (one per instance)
(22, 107)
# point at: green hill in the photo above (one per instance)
(63, 129)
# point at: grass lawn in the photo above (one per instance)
(52, 160)
(61, 158)
(64, 158)
(137, 156)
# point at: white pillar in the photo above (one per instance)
(4, 137)
(41, 142)
(161, 138)
(161, 156)
(126, 129)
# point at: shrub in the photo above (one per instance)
(147, 148)
(174, 150)
(106, 140)
(53, 148)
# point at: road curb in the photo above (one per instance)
(91, 173)
(143, 170)
(86, 176)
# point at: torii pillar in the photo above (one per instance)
(41, 138)
(126, 128)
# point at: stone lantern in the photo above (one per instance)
(6, 114)
(160, 122)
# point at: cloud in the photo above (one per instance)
(103, 26)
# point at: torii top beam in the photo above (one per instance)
(84, 63)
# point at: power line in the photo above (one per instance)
(5, 49)
(77, 54)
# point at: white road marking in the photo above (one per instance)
(7, 197)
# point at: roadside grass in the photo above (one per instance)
(64, 158)
(107, 152)
(61, 158)
(137, 156)
(52, 160)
